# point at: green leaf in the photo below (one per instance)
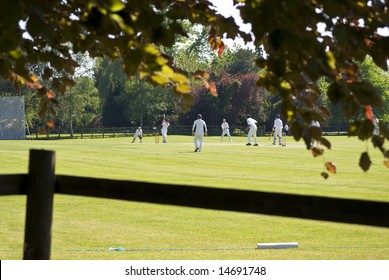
(379, 56)
(116, 5)
(331, 62)
(362, 129)
(183, 88)
(179, 78)
(364, 161)
(341, 34)
(366, 94)
(288, 110)
(384, 130)
(4, 67)
(296, 130)
(313, 69)
(277, 38)
(350, 108)
(325, 142)
(35, 25)
(278, 66)
(378, 142)
(160, 78)
(337, 92)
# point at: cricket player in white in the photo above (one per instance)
(376, 130)
(225, 130)
(313, 141)
(165, 125)
(277, 126)
(138, 133)
(252, 130)
(199, 129)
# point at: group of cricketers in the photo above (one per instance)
(199, 130)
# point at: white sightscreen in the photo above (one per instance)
(12, 118)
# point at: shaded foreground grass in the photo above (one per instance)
(84, 228)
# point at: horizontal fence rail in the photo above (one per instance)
(13, 184)
(213, 130)
(41, 183)
(288, 205)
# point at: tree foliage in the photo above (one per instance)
(297, 54)
(130, 101)
(80, 105)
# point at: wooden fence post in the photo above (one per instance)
(39, 213)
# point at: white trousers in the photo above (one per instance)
(198, 141)
(277, 132)
(252, 133)
(164, 135)
(226, 132)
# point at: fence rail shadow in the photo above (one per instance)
(41, 183)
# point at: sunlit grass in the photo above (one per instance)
(84, 228)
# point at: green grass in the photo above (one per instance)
(84, 228)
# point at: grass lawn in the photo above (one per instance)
(84, 228)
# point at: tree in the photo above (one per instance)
(297, 53)
(131, 30)
(236, 60)
(80, 105)
(237, 96)
(145, 104)
(130, 101)
(111, 82)
(380, 80)
(370, 73)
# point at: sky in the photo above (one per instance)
(226, 8)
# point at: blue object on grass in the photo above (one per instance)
(116, 249)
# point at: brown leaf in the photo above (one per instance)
(212, 88)
(364, 161)
(324, 175)
(316, 151)
(205, 83)
(221, 48)
(50, 124)
(50, 94)
(369, 113)
(325, 142)
(201, 74)
(330, 167)
(386, 163)
(212, 42)
(325, 111)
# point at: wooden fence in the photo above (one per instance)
(41, 183)
(113, 132)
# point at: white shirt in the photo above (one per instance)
(278, 123)
(225, 125)
(199, 126)
(376, 130)
(315, 123)
(138, 132)
(165, 125)
(252, 123)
